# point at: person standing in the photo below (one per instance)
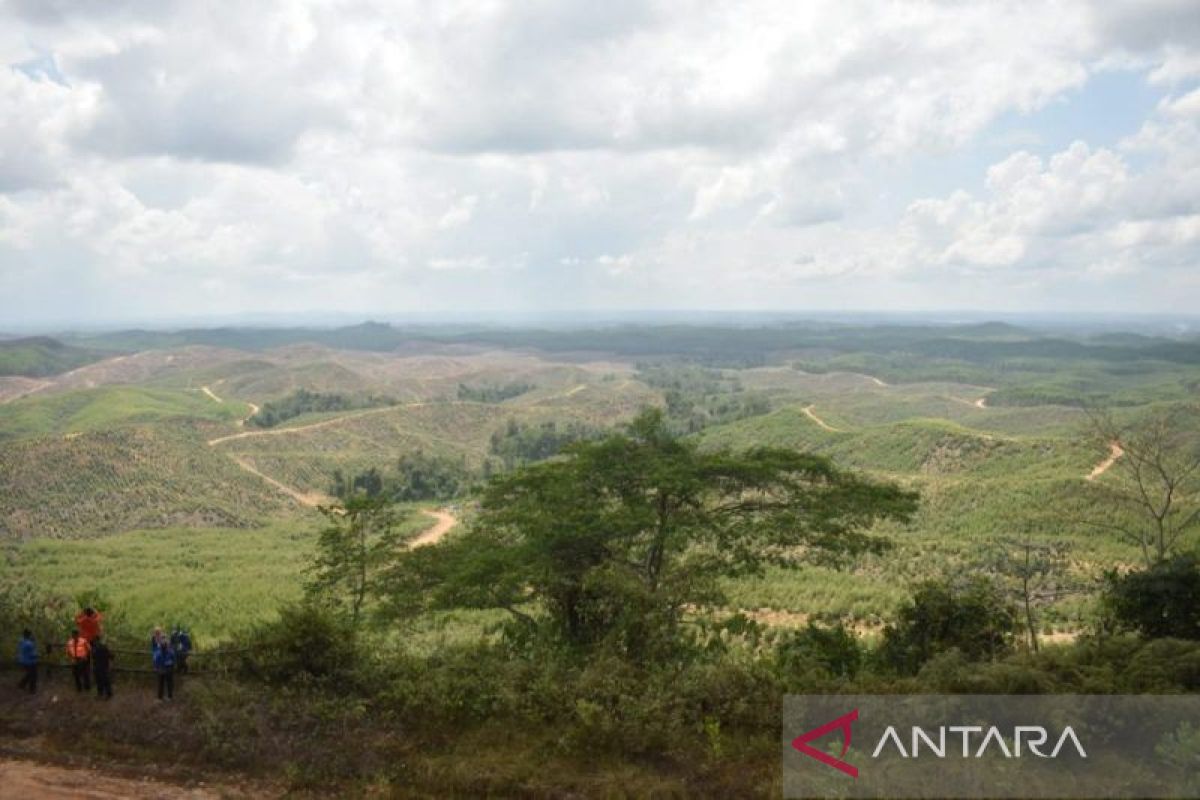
(79, 653)
(89, 622)
(164, 665)
(27, 657)
(102, 658)
(183, 648)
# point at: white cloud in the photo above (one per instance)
(399, 155)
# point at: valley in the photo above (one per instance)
(165, 439)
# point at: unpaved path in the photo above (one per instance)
(1115, 451)
(211, 394)
(808, 410)
(312, 426)
(443, 522)
(26, 780)
(310, 499)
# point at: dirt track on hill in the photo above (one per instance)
(808, 411)
(325, 423)
(1115, 452)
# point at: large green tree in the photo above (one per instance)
(617, 539)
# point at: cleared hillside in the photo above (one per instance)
(126, 478)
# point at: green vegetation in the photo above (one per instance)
(39, 356)
(522, 443)
(623, 612)
(493, 393)
(218, 581)
(127, 478)
(302, 401)
(104, 409)
(697, 397)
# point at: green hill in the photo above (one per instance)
(126, 478)
(37, 357)
(106, 408)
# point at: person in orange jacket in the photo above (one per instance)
(80, 654)
(89, 622)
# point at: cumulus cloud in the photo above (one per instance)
(376, 155)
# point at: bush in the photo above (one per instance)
(308, 643)
(973, 619)
(834, 650)
(1163, 601)
(1163, 665)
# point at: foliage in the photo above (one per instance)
(1034, 574)
(1152, 499)
(302, 401)
(493, 393)
(422, 476)
(520, 442)
(361, 536)
(614, 541)
(835, 650)
(697, 397)
(308, 642)
(38, 356)
(1160, 601)
(974, 620)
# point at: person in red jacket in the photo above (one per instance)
(79, 652)
(89, 624)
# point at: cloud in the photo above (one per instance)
(383, 155)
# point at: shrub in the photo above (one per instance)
(833, 650)
(974, 619)
(1161, 601)
(308, 643)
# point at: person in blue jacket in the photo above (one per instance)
(27, 657)
(164, 665)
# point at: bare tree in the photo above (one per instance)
(1147, 492)
(1035, 574)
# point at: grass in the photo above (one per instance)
(106, 408)
(40, 356)
(215, 581)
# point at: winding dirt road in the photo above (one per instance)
(808, 411)
(325, 423)
(1115, 451)
(443, 522)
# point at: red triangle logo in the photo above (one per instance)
(801, 743)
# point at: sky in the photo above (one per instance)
(164, 158)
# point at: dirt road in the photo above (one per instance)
(211, 394)
(444, 521)
(310, 499)
(1115, 451)
(808, 411)
(24, 780)
(325, 423)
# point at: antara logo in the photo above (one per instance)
(843, 723)
(1030, 738)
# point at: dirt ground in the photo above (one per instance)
(26, 780)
